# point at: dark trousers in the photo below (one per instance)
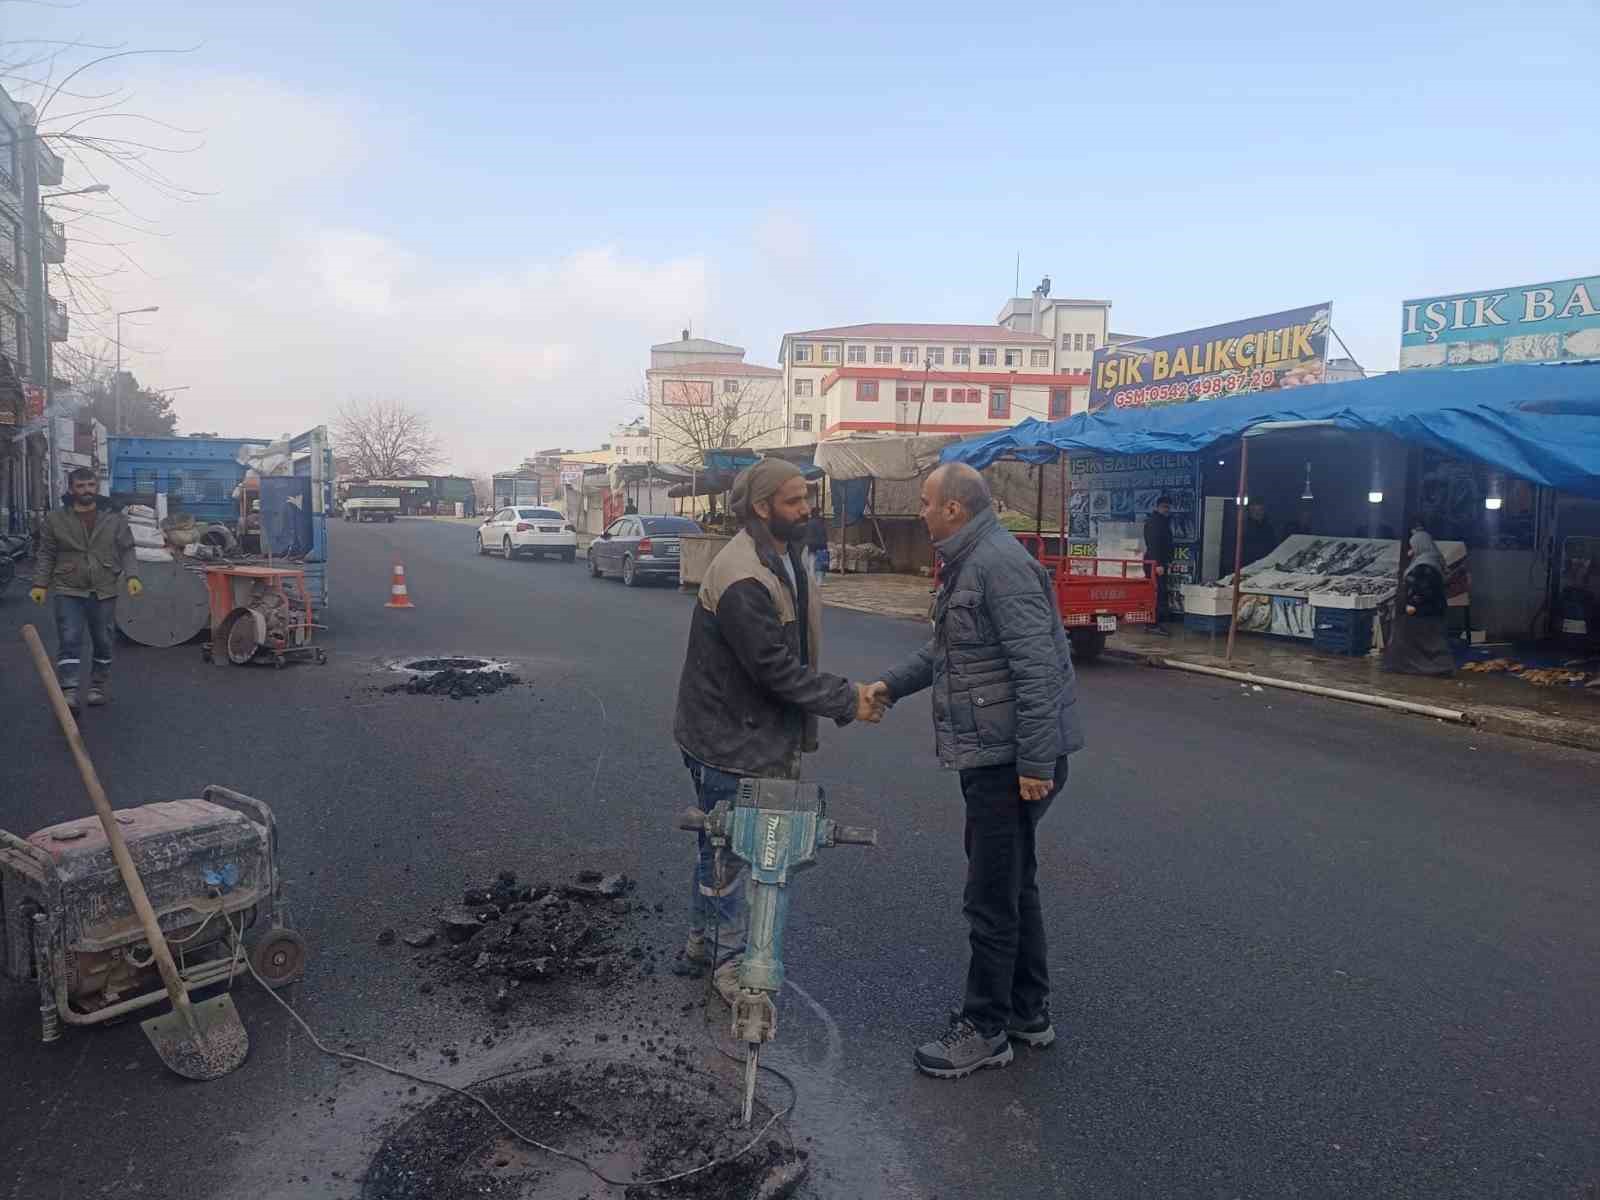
(77, 616)
(1008, 978)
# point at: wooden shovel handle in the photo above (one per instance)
(108, 822)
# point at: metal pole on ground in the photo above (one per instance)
(1239, 502)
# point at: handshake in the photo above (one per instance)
(872, 701)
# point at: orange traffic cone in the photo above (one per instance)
(397, 590)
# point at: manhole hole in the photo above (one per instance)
(426, 665)
(628, 1121)
(459, 676)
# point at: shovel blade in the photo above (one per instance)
(220, 1048)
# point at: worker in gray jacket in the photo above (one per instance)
(86, 556)
(1005, 717)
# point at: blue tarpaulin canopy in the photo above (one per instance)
(1539, 423)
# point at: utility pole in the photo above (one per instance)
(927, 374)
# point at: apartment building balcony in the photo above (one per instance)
(56, 320)
(52, 240)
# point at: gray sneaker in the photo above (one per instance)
(1037, 1033)
(71, 696)
(97, 696)
(961, 1051)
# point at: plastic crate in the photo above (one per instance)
(1345, 631)
(1207, 623)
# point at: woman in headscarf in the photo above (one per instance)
(1419, 644)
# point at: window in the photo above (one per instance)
(999, 403)
(867, 390)
(11, 251)
(1088, 341)
(539, 514)
(1077, 341)
(802, 389)
(1066, 342)
(936, 355)
(1060, 402)
(986, 357)
(830, 354)
(1039, 358)
(908, 356)
(974, 396)
(961, 356)
(660, 526)
(802, 422)
(883, 354)
(855, 354)
(902, 395)
(1013, 358)
(939, 395)
(802, 352)
(730, 386)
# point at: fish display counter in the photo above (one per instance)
(1321, 589)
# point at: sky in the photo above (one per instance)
(491, 211)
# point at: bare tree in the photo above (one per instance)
(690, 417)
(385, 439)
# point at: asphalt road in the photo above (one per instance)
(1299, 948)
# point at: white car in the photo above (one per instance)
(534, 532)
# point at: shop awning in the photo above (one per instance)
(1539, 423)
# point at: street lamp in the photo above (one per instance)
(94, 189)
(116, 382)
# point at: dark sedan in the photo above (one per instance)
(637, 548)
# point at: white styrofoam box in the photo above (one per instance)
(1206, 601)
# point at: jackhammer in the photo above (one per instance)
(776, 826)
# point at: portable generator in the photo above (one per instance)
(67, 923)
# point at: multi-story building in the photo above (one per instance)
(630, 442)
(1076, 328)
(29, 320)
(702, 395)
(932, 378)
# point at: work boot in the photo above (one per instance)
(1037, 1033)
(73, 703)
(697, 950)
(726, 980)
(961, 1051)
(97, 695)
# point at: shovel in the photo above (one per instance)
(198, 1041)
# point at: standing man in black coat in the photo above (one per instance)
(1005, 717)
(1158, 549)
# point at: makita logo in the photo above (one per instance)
(769, 848)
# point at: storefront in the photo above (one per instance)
(1340, 472)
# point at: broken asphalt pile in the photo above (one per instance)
(509, 940)
(457, 684)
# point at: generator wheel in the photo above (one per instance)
(279, 957)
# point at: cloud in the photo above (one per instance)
(273, 312)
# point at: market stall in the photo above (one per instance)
(1520, 427)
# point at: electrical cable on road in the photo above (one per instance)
(495, 1115)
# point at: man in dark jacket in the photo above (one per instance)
(750, 693)
(1005, 717)
(1260, 538)
(86, 553)
(1158, 549)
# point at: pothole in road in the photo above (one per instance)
(429, 665)
(460, 677)
(628, 1121)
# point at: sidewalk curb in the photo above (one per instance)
(1509, 722)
